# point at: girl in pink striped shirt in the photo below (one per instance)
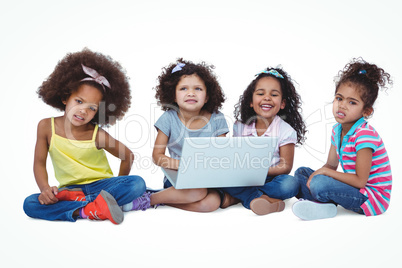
(365, 184)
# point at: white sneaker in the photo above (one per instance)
(310, 210)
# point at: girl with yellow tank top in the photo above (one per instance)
(92, 90)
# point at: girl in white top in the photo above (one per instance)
(269, 107)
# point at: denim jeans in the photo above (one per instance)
(166, 183)
(280, 187)
(124, 189)
(328, 190)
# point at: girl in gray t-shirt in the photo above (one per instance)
(191, 97)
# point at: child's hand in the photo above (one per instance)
(47, 196)
(317, 172)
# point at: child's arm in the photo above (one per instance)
(158, 155)
(286, 153)
(117, 149)
(47, 195)
(358, 180)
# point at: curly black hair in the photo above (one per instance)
(290, 114)
(368, 79)
(167, 82)
(67, 76)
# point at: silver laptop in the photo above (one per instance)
(216, 162)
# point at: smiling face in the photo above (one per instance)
(191, 93)
(348, 107)
(267, 98)
(82, 105)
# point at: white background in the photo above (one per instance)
(312, 40)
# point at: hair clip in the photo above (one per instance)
(272, 72)
(95, 76)
(178, 67)
(362, 72)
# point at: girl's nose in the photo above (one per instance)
(83, 110)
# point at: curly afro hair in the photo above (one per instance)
(67, 76)
(290, 114)
(167, 82)
(368, 79)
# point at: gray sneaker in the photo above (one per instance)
(309, 210)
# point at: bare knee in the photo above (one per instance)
(210, 203)
(195, 195)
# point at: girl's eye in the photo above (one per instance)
(79, 101)
(92, 109)
(183, 88)
(338, 98)
(352, 102)
(200, 89)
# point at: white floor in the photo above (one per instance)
(233, 237)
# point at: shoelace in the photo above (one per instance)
(94, 215)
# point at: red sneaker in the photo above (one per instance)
(75, 194)
(104, 207)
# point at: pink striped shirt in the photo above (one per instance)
(379, 184)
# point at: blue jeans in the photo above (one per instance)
(166, 183)
(280, 187)
(124, 189)
(328, 190)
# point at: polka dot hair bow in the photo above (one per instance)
(272, 72)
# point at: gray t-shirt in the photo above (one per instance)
(169, 123)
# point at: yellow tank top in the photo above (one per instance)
(77, 162)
